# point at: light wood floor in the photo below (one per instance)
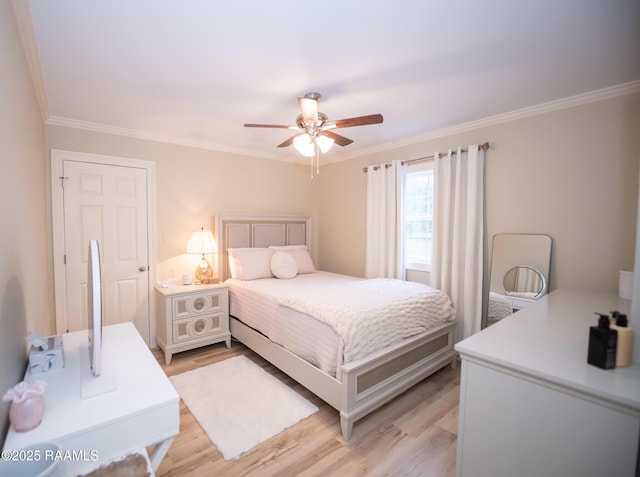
(414, 435)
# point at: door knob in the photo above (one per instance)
(142, 268)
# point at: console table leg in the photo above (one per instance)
(159, 452)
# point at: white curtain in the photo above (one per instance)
(385, 184)
(458, 231)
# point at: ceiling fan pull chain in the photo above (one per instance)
(311, 164)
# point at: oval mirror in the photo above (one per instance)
(525, 282)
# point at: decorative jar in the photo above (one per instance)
(27, 405)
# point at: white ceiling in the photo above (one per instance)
(194, 71)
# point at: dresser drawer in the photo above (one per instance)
(200, 327)
(197, 304)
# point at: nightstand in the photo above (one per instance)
(191, 316)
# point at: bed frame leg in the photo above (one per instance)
(347, 427)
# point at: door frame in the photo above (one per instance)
(58, 156)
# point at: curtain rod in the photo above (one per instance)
(484, 147)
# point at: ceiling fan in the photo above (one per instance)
(316, 131)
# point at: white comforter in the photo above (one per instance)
(499, 306)
(370, 315)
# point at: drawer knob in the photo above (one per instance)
(199, 304)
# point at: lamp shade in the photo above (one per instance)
(202, 242)
(324, 142)
(304, 145)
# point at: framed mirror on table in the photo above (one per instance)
(520, 269)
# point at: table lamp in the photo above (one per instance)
(202, 242)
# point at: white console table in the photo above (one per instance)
(531, 406)
(143, 411)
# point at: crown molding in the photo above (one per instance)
(22, 13)
(151, 136)
(569, 102)
(564, 103)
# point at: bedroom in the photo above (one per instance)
(570, 171)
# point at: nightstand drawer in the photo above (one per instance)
(197, 304)
(194, 328)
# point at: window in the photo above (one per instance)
(418, 216)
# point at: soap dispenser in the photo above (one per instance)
(614, 316)
(602, 344)
(625, 341)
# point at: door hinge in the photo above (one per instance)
(62, 178)
(64, 259)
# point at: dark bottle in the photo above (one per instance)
(602, 344)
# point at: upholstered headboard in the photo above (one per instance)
(250, 231)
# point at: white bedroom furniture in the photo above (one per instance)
(364, 384)
(530, 405)
(143, 411)
(190, 316)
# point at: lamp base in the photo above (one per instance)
(204, 272)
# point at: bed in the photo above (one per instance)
(500, 306)
(267, 313)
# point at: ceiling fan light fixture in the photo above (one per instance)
(324, 143)
(304, 145)
(314, 136)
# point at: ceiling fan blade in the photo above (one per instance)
(339, 140)
(309, 108)
(350, 122)
(269, 126)
(289, 141)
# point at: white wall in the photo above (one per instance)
(195, 184)
(571, 174)
(635, 304)
(25, 291)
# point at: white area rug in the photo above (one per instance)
(239, 405)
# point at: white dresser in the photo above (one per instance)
(143, 411)
(530, 405)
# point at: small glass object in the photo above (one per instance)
(27, 405)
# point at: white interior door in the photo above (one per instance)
(107, 203)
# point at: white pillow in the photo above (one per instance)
(283, 265)
(300, 254)
(250, 263)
